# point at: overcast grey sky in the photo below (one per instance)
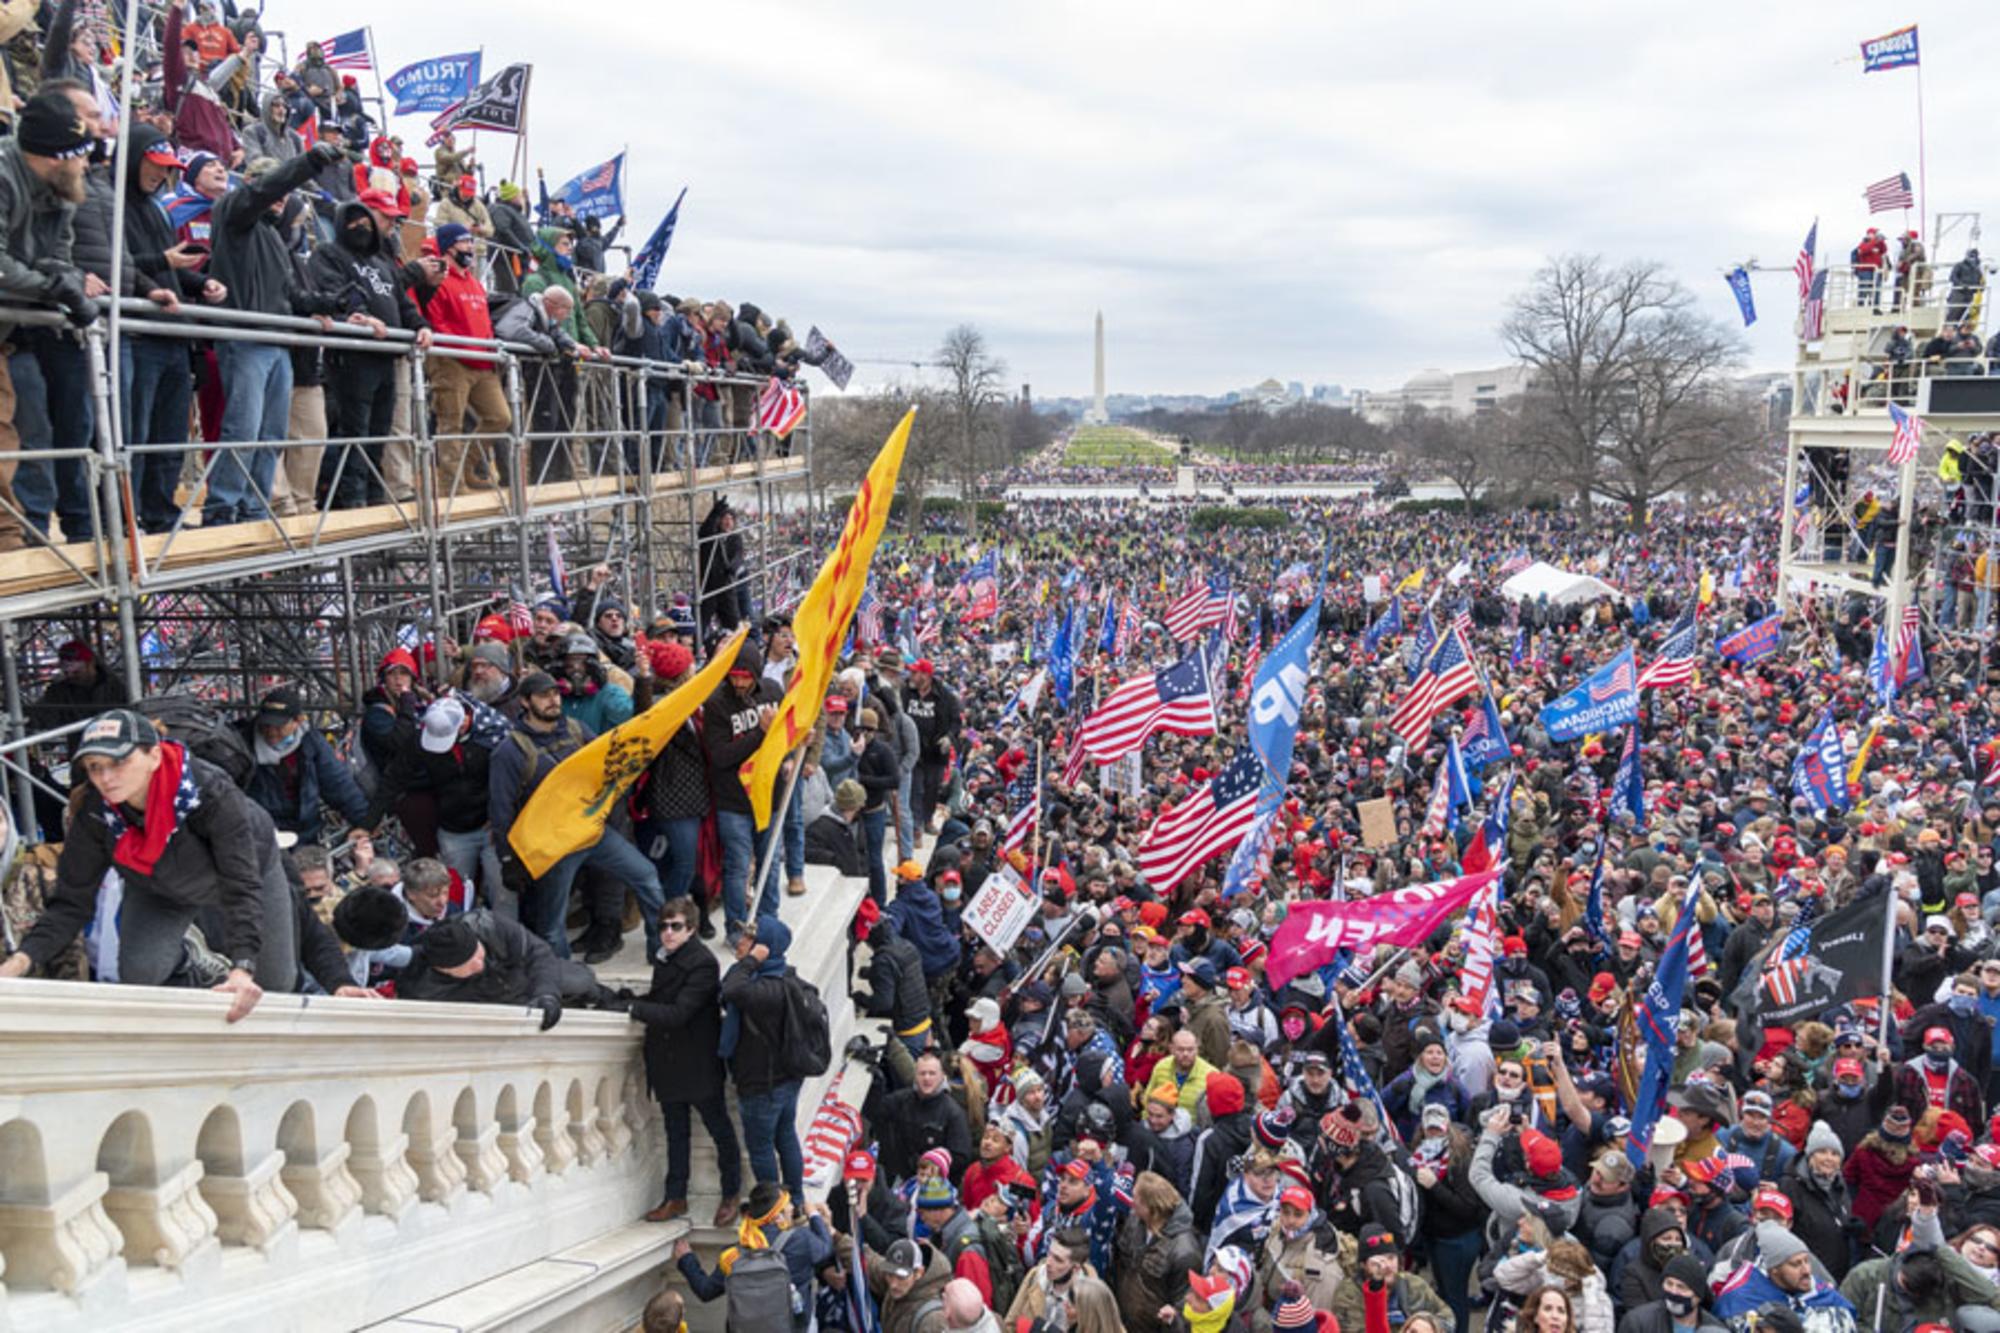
(1318, 192)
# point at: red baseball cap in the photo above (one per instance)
(1209, 1288)
(1236, 977)
(1299, 1197)
(381, 201)
(1939, 1034)
(860, 1166)
(1773, 1199)
(1847, 1064)
(1076, 1167)
(923, 666)
(1194, 916)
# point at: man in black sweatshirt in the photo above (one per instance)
(355, 278)
(934, 708)
(250, 259)
(732, 727)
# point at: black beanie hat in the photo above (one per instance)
(48, 126)
(449, 943)
(370, 918)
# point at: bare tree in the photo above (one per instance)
(1624, 371)
(1461, 449)
(974, 380)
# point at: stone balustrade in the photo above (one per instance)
(323, 1164)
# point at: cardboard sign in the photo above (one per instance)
(1002, 909)
(1122, 775)
(1378, 823)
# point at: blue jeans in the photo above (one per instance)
(543, 911)
(795, 839)
(728, 1153)
(157, 388)
(906, 824)
(472, 856)
(257, 381)
(674, 845)
(1452, 1262)
(52, 410)
(771, 1133)
(743, 846)
(875, 832)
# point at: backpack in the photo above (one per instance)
(202, 730)
(1408, 1201)
(759, 1292)
(1003, 1261)
(807, 1048)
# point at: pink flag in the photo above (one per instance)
(1314, 932)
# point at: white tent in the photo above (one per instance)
(1563, 588)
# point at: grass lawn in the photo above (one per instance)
(1114, 446)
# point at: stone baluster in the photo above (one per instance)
(558, 1150)
(523, 1153)
(590, 1147)
(482, 1162)
(255, 1208)
(440, 1173)
(388, 1185)
(169, 1225)
(327, 1191)
(69, 1245)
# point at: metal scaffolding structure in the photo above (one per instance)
(602, 462)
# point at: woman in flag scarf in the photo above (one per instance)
(183, 842)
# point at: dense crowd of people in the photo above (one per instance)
(264, 188)
(1117, 1120)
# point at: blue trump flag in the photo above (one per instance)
(1107, 634)
(1389, 622)
(1484, 740)
(1607, 698)
(1628, 788)
(1062, 661)
(646, 264)
(1892, 50)
(1658, 1021)
(1427, 638)
(1278, 695)
(598, 192)
(1739, 287)
(437, 84)
(1753, 641)
(1820, 772)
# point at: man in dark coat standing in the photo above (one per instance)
(683, 1017)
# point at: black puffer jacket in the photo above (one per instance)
(222, 852)
(520, 967)
(912, 1124)
(1606, 1224)
(677, 782)
(1820, 1214)
(683, 1017)
(460, 779)
(896, 981)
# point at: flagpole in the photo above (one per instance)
(1035, 826)
(1888, 964)
(1923, 188)
(375, 66)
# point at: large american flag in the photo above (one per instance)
(1890, 193)
(1206, 824)
(347, 51)
(1907, 437)
(1180, 700)
(1024, 795)
(520, 616)
(1803, 265)
(1446, 677)
(780, 408)
(1203, 606)
(868, 618)
(1675, 664)
(1786, 965)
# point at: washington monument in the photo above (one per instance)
(1097, 416)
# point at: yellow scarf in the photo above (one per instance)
(1211, 1320)
(750, 1230)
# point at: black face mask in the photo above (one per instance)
(462, 258)
(1677, 1305)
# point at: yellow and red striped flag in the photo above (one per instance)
(820, 623)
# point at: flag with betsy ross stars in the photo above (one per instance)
(1206, 824)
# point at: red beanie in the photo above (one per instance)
(1225, 1094)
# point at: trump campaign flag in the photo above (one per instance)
(820, 623)
(646, 264)
(1892, 50)
(437, 84)
(1389, 622)
(1753, 641)
(1062, 660)
(1820, 772)
(1484, 740)
(1608, 698)
(1314, 932)
(598, 192)
(566, 813)
(1279, 694)
(1628, 788)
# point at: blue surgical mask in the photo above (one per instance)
(1848, 1090)
(1962, 1004)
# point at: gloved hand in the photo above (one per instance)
(514, 876)
(860, 1048)
(551, 1009)
(325, 153)
(66, 290)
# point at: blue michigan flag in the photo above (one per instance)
(1607, 698)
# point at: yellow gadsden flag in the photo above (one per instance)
(820, 623)
(567, 812)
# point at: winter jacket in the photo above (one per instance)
(937, 717)
(1636, 1276)
(455, 306)
(148, 234)
(520, 967)
(833, 841)
(1167, 1153)
(1151, 1270)
(1875, 1180)
(758, 994)
(1819, 1214)
(222, 852)
(677, 781)
(1211, 1029)
(354, 274)
(1606, 1224)
(1528, 1270)
(1654, 1317)
(911, 1124)
(548, 273)
(524, 320)
(1367, 1192)
(293, 790)
(37, 234)
(1558, 1207)
(1875, 1279)
(921, 1308)
(1311, 1258)
(682, 1012)
(250, 256)
(1410, 1293)
(919, 918)
(877, 773)
(516, 771)
(272, 135)
(896, 989)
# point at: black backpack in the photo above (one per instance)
(804, 1046)
(205, 733)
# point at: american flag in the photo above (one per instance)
(1516, 562)
(520, 616)
(1129, 625)
(347, 51)
(1250, 660)
(1355, 1075)
(1812, 318)
(1024, 794)
(1697, 951)
(1482, 945)
(1675, 664)
(1206, 824)
(1201, 607)
(1180, 700)
(780, 408)
(1907, 438)
(1447, 676)
(1890, 193)
(868, 617)
(599, 177)
(1804, 264)
(1786, 966)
